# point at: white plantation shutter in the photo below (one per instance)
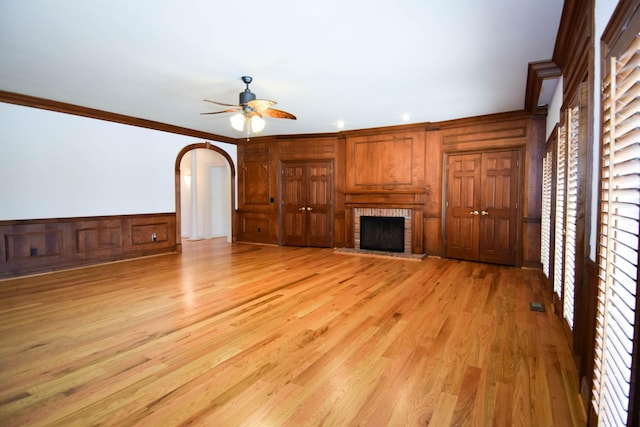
(561, 155)
(618, 239)
(571, 217)
(547, 184)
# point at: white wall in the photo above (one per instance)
(553, 111)
(55, 165)
(219, 180)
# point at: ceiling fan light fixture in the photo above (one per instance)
(257, 124)
(237, 122)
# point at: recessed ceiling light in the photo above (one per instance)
(340, 124)
(406, 117)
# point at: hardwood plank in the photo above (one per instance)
(235, 334)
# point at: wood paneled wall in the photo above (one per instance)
(385, 168)
(33, 246)
(503, 131)
(259, 162)
(575, 55)
(398, 167)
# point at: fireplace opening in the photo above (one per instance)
(382, 233)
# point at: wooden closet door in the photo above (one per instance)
(498, 218)
(319, 179)
(294, 204)
(306, 203)
(482, 207)
(463, 199)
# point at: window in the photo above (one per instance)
(547, 186)
(561, 155)
(564, 228)
(619, 219)
(571, 218)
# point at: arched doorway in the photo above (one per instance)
(209, 190)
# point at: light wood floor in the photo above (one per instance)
(235, 334)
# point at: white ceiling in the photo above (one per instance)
(366, 63)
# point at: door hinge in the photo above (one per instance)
(446, 204)
(516, 205)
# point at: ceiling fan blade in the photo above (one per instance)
(278, 114)
(230, 110)
(261, 104)
(222, 103)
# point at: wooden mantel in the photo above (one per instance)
(388, 199)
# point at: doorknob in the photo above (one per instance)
(473, 213)
(301, 209)
(484, 213)
(309, 208)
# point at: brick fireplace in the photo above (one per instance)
(407, 204)
(383, 212)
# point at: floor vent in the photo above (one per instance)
(537, 306)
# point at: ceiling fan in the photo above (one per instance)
(250, 110)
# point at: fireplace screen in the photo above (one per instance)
(382, 233)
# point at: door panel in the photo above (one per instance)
(462, 196)
(499, 209)
(293, 200)
(319, 216)
(481, 210)
(306, 203)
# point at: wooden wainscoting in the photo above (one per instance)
(35, 246)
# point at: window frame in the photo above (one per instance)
(622, 29)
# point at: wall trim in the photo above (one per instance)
(537, 73)
(63, 107)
